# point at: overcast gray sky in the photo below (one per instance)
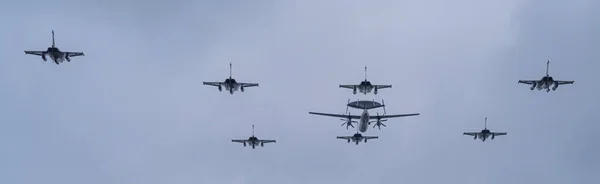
(134, 110)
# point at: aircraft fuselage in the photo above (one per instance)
(55, 55)
(484, 135)
(230, 85)
(364, 121)
(545, 83)
(364, 87)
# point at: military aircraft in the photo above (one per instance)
(545, 82)
(55, 54)
(357, 137)
(485, 133)
(365, 86)
(364, 118)
(230, 84)
(253, 141)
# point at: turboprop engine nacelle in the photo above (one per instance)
(375, 91)
(242, 88)
(262, 144)
(68, 59)
(44, 57)
(493, 136)
(555, 86)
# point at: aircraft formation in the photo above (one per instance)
(363, 121)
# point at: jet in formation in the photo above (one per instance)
(485, 133)
(231, 84)
(545, 82)
(55, 54)
(253, 141)
(365, 86)
(357, 138)
(364, 118)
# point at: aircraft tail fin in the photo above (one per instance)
(252, 130)
(547, 67)
(365, 73)
(230, 66)
(53, 44)
(485, 124)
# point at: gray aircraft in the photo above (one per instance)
(231, 84)
(364, 120)
(55, 54)
(485, 133)
(545, 82)
(357, 138)
(253, 141)
(365, 86)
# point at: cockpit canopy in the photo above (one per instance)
(365, 83)
(485, 131)
(230, 81)
(357, 135)
(547, 78)
(252, 139)
(52, 49)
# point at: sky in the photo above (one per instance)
(134, 110)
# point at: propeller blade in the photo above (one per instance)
(383, 104)
(383, 125)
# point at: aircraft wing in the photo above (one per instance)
(392, 116)
(344, 137)
(498, 133)
(382, 86)
(267, 141)
(37, 53)
(239, 140)
(530, 82)
(249, 84)
(73, 54)
(471, 133)
(336, 115)
(349, 86)
(564, 82)
(371, 137)
(213, 83)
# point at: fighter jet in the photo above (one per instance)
(363, 123)
(230, 84)
(55, 54)
(357, 137)
(253, 141)
(545, 82)
(365, 86)
(485, 133)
